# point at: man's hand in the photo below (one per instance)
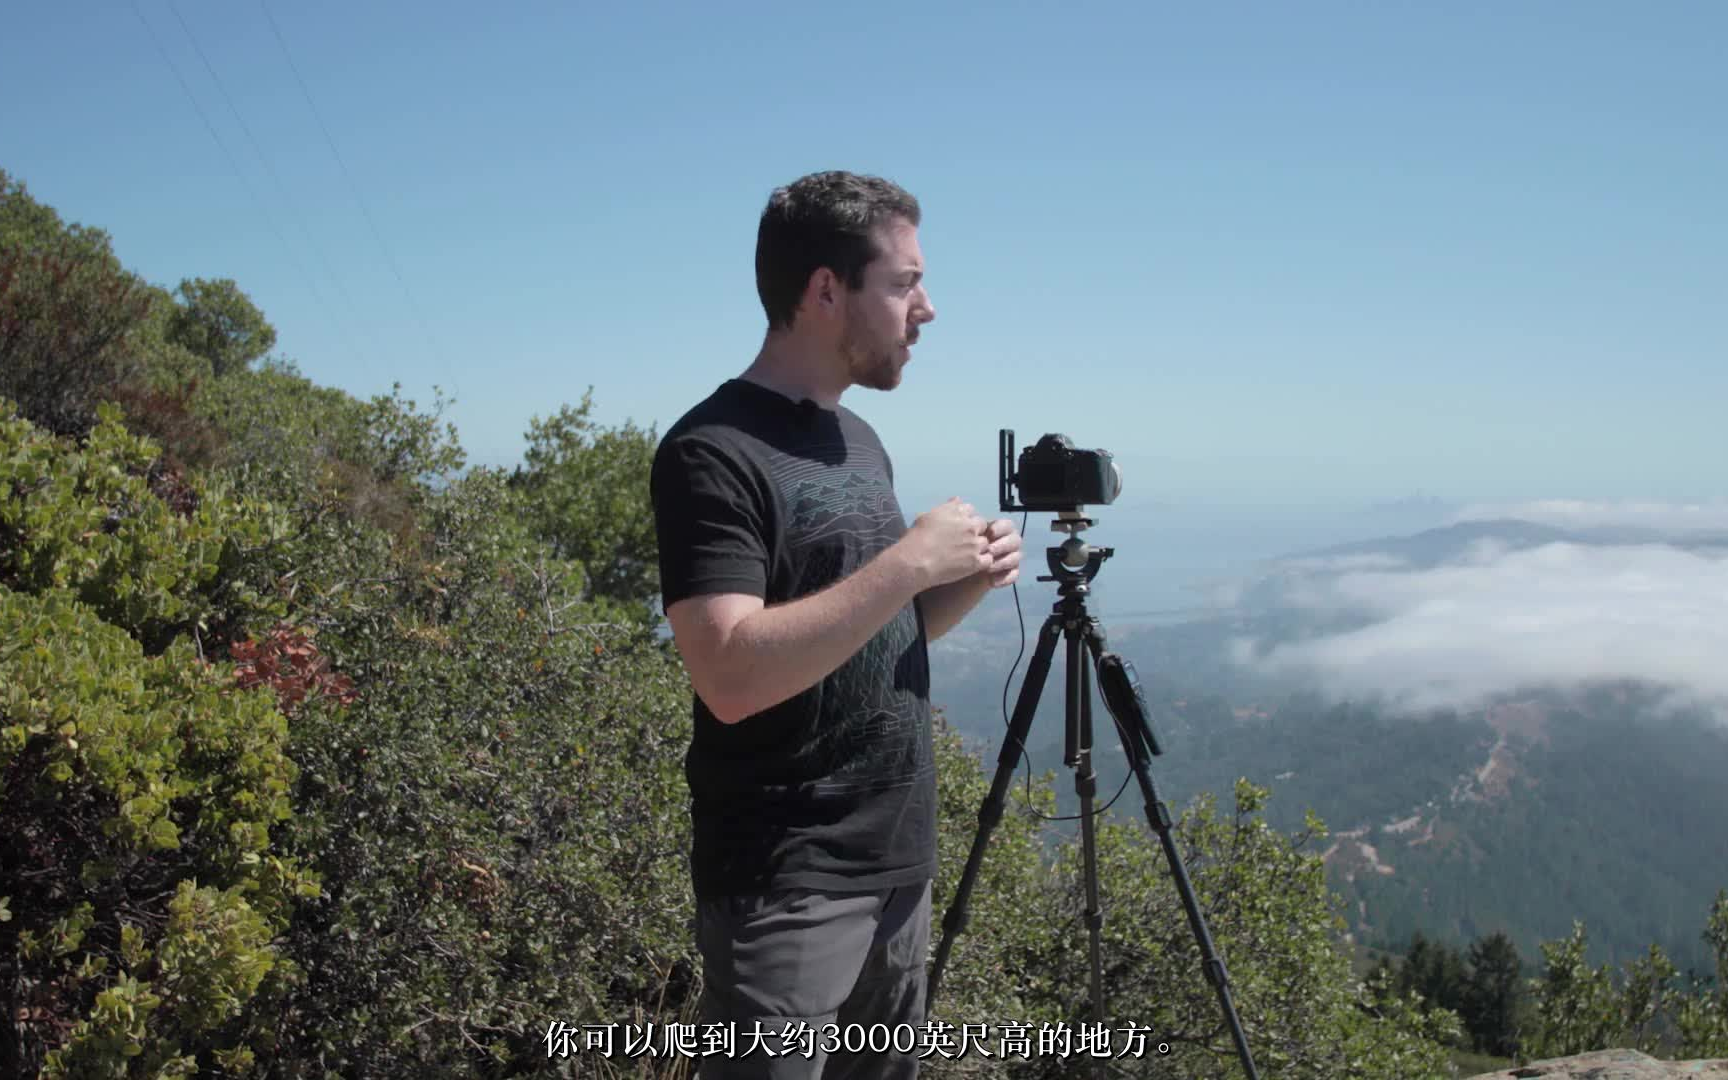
(948, 543)
(1004, 541)
(985, 557)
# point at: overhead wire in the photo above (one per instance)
(354, 189)
(281, 188)
(233, 163)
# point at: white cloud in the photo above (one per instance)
(1499, 621)
(1666, 517)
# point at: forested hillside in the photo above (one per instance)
(324, 754)
(1597, 803)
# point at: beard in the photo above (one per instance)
(870, 362)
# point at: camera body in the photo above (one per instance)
(1055, 476)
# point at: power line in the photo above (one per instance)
(355, 190)
(281, 188)
(232, 162)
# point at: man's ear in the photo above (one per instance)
(822, 294)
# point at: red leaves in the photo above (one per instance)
(288, 662)
(170, 485)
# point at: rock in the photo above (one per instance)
(1610, 1065)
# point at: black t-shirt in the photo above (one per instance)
(834, 788)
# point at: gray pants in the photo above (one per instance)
(837, 979)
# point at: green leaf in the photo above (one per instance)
(164, 834)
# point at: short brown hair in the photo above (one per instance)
(824, 219)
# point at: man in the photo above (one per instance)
(802, 605)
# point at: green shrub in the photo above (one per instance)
(1579, 1008)
(499, 820)
(1270, 916)
(141, 784)
(84, 519)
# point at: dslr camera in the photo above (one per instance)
(1053, 476)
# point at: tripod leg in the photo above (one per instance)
(1025, 707)
(1138, 741)
(1086, 786)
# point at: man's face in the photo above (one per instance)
(883, 317)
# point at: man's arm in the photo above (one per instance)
(945, 605)
(744, 657)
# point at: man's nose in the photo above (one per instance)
(928, 310)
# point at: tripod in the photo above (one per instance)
(1073, 565)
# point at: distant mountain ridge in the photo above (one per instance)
(1434, 547)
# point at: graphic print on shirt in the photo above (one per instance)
(874, 717)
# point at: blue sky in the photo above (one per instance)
(1294, 255)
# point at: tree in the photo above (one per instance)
(77, 329)
(67, 312)
(218, 322)
(1434, 971)
(586, 492)
(1494, 995)
(1716, 936)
